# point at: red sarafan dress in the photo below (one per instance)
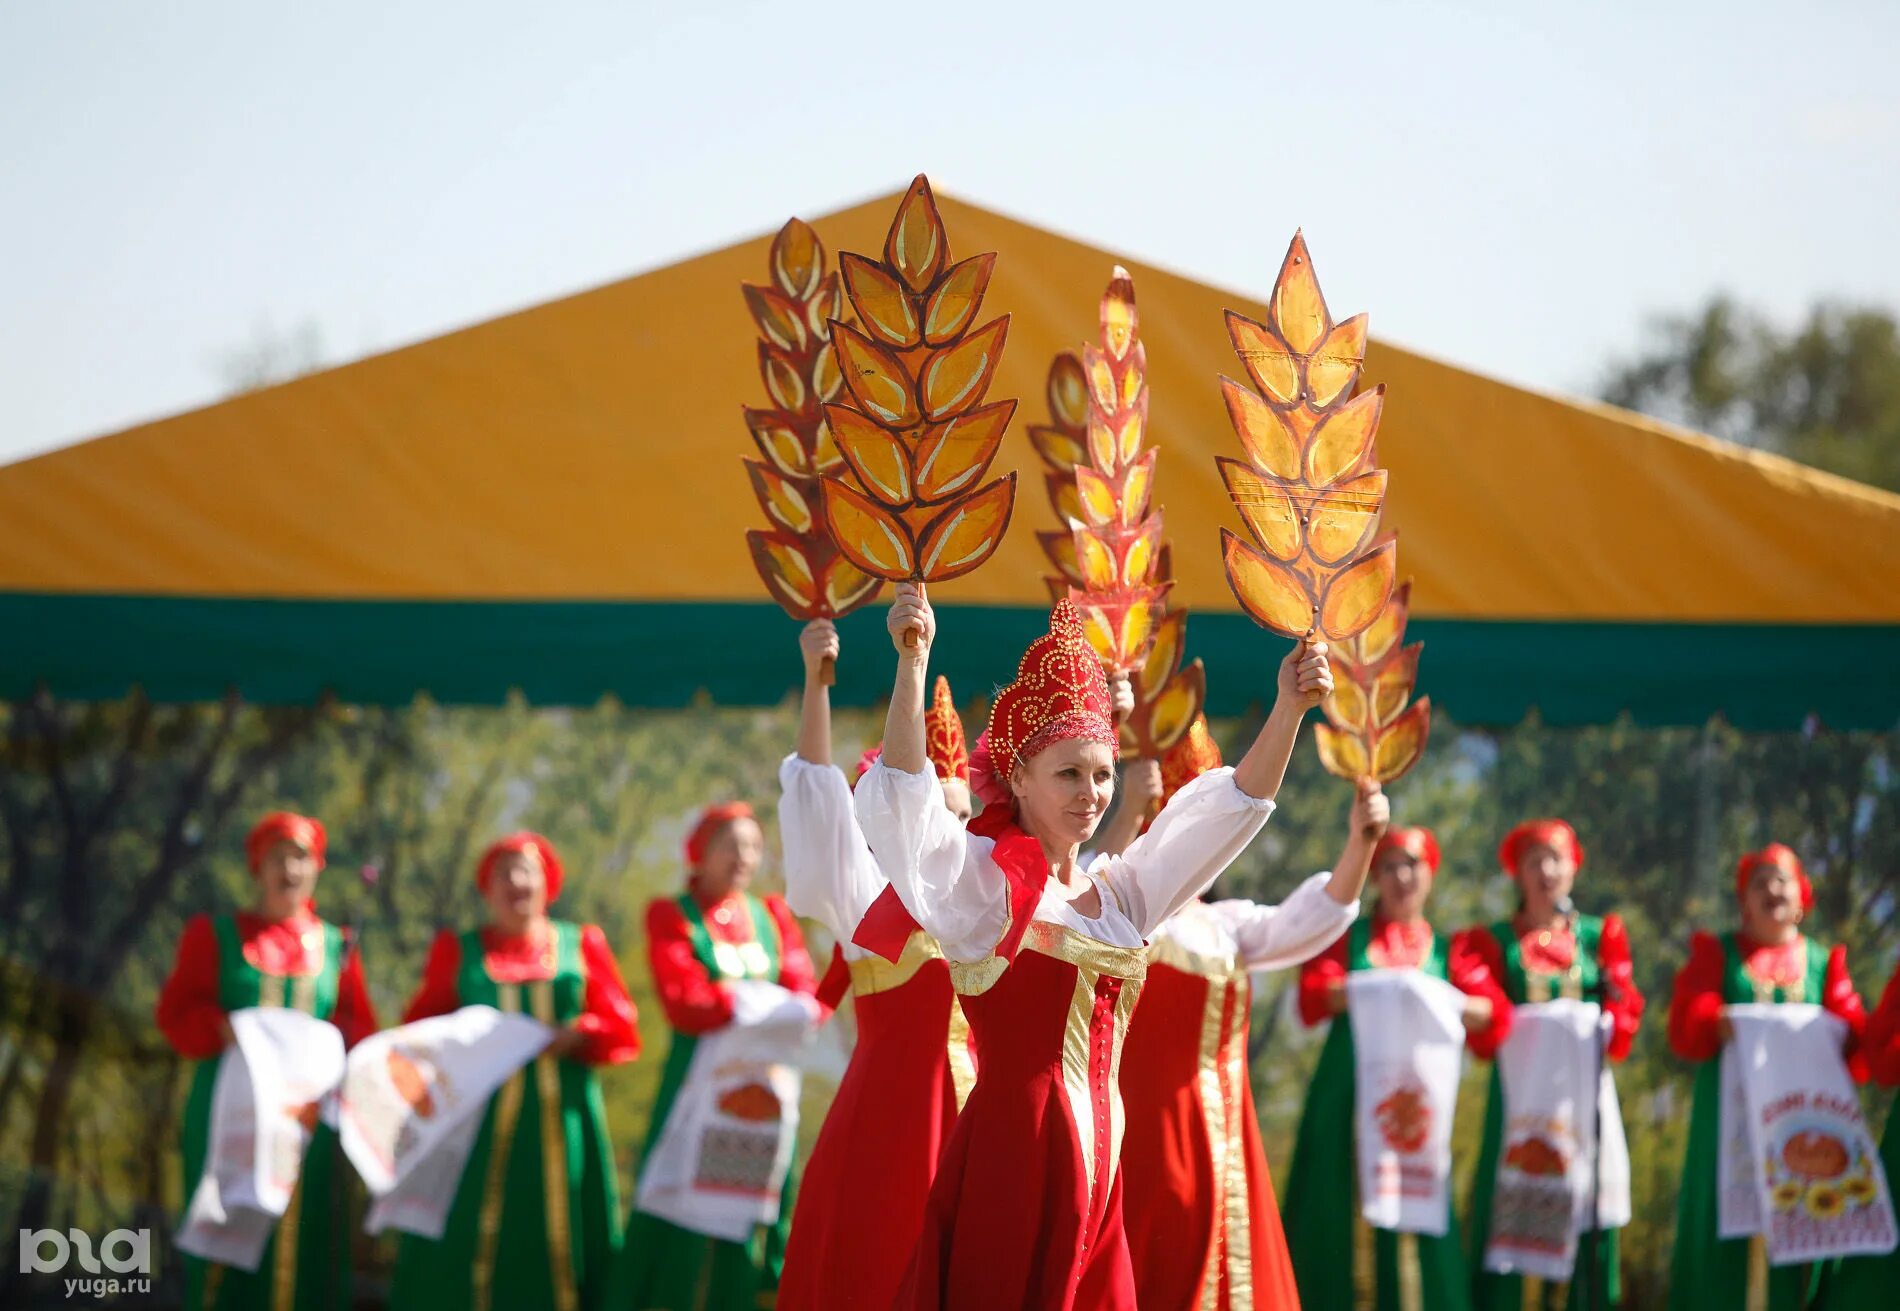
(861, 1204)
(1203, 1226)
(1026, 1211)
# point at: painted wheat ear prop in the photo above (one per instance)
(1062, 444)
(1168, 696)
(1371, 732)
(911, 422)
(796, 558)
(1308, 489)
(1118, 542)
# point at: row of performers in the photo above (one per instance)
(1012, 1129)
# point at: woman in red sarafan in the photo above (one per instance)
(1047, 955)
(1203, 1225)
(912, 1067)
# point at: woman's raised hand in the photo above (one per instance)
(1371, 810)
(1305, 676)
(818, 642)
(912, 623)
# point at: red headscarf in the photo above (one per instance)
(1547, 832)
(534, 843)
(711, 820)
(285, 826)
(1417, 842)
(1782, 857)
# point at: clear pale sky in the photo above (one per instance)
(1513, 187)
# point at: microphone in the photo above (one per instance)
(1565, 907)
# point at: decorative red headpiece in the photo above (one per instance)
(1188, 759)
(1782, 857)
(529, 844)
(1549, 832)
(711, 820)
(943, 734)
(1417, 842)
(285, 826)
(1060, 695)
(865, 761)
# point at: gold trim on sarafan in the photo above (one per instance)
(1411, 1273)
(1084, 952)
(1239, 1202)
(501, 1137)
(1167, 949)
(1077, 1030)
(1117, 1113)
(874, 974)
(547, 1075)
(957, 1051)
(1215, 1121)
(283, 1291)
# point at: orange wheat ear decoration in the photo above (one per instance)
(1118, 542)
(1372, 733)
(911, 423)
(1062, 444)
(1308, 489)
(796, 558)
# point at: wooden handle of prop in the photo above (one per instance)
(911, 637)
(828, 672)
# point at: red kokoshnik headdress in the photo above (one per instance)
(1060, 695)
(943, 734)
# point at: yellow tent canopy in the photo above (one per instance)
(553, 501)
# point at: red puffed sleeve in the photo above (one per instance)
(607, 1017)
(1881, 1042)
(439, 993)
(1471, 972)
(188, 1012)
(692, 1001)
(1620, 996)
(1695, 1004)
(1483, 951)
(795, 970)
(354, 1014)
(1317, 978)
(1839, 998)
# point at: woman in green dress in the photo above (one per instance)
(533, 1226)
(1336, 1256)
(277, 953)
(1543, 952)
(710, 936)
(1768, 960)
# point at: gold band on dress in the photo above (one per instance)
(501, 1137)
(1239, 1200)
(1411, 1274)
(874, 974)
(547, 1074)
(957, 1051)
(1084, 952)
(283, 1292)
(1170, 952)
(1757, 1299)
(1214, 1118)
